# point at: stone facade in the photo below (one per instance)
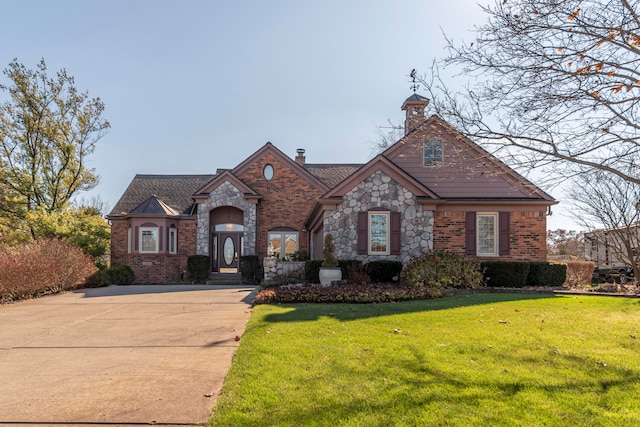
(380, 191)
(274, 268)
(226, 195)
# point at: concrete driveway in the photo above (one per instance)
(122, 355)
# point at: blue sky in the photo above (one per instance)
(192, 85)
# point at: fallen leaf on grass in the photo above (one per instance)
(633, 336)
(397, 331)
(502, 321)
(601, 363)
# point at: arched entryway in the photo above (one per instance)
(226, 230)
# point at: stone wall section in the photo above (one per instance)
(226, 195)
(380, 191)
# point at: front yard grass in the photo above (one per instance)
(482, 359)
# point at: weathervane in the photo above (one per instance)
(414, 86)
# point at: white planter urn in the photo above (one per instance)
(329, 275)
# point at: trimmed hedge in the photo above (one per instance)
(384, 271)
(198, 267)
(509, 274)
(579, 272)
(518, 274)
(443, 270)
(249, 267)
(546, 274)
(312, 271)
(120, 274)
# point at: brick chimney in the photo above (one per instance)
(415, 107)
(300, 159)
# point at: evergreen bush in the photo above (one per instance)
(384, 271)
(198, 268)
(120, 274)
(511, 274)
(443, 269)
(249, 268)
(546, 274)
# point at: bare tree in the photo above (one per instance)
(607, 205)
(550, 83)
(386, 136)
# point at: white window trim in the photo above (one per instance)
(388, 233)
(129, 240)
(436, 162)
(142, 230)
(173, 237)
(496, 229)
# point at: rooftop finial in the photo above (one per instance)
(414, 86)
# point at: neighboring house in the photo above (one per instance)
(433, 189)
(614, 249)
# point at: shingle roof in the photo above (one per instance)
(154, 206)
(174, 190)
(331, 174)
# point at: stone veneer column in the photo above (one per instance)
(379, 190)
(226, 195)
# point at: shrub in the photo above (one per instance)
(347, 265)
(346, 294)
(546, 274)
(443, 269)
(120, 274)
(357, 274)
(198, 267)
(249, 267)
(579, 273)
(312, 271)
(512, 274)
(98, 279)
(42, 267)
(384, 271)
(328, 258)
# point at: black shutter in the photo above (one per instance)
(504, 233)
(470, 234)
(363, 232)
(136, 238)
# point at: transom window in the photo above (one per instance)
(149, 240)
(378, 233)
(432, 154)
(282, 244)
(487, 234)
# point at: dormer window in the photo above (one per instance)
(432, 154)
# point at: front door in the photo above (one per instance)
(228, 251)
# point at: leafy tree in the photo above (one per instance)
(551, 83)
(47, 130)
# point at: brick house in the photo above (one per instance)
(433, 189)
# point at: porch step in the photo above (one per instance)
(224, 279)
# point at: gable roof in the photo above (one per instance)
(269, 148)
(204, 191)
(380, 162)
(509, 176)
(174, 190)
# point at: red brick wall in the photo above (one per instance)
(286, 201)
(158, 268)
(528, 231)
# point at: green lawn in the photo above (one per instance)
(470, 360)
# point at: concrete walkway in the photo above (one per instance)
(122, 355)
